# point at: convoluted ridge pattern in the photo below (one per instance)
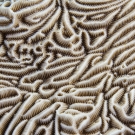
(67, 67)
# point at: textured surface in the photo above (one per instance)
(67, 67)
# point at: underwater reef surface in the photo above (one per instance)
(67, 67)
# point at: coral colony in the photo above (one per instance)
(67, 67)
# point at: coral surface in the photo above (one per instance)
(67, 67)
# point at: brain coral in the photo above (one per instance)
(67, 67)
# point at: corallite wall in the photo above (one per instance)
(67, 67)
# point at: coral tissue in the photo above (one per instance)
(67, 67)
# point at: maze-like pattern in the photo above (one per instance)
(67, 67)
